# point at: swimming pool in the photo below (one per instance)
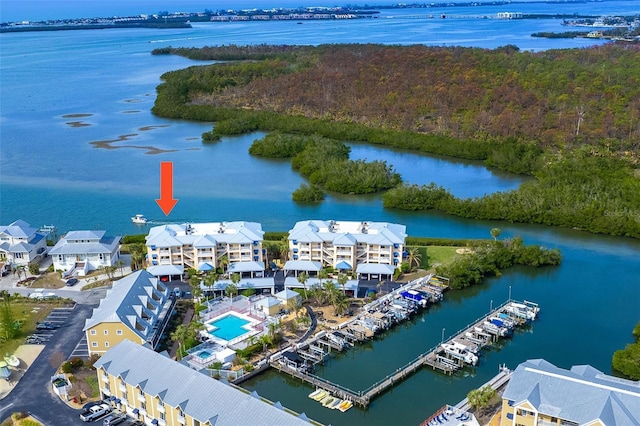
(204, 354)
(229, 327)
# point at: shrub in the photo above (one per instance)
(67, 368)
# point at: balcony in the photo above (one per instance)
(123, 387)
(141, 397)
(160, 408)
(181, 419)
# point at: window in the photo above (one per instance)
(119, 332)
(510, 416)
(93, 332)
(510, 403)
(94, 344)
(106, 344)
(106, 332)
(523, 413)
(143, 405)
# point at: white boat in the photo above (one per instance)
(12, 360)
(139, 219)
(460, 352)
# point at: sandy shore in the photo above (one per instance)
(27, 354)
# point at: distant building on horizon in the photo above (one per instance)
(539, 393)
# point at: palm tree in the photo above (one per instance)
(180, 335)
(210, 279)
(414, 257)
(223, 262)
(342, 280)
(495, 233)
(196, 290)
(120, 265)
(340, 304)
(322, 275)
(194, 328)
(264, 340)
(303, 277)
(231, 290)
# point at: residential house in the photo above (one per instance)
(20, 243)
(541, 394)
(80, 252)
(371, 249)
(152, 388)
(136, 308)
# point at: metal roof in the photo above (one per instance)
(199, 396)
(375, 268)
(126, 301)
(302, 265)
(582, 394)
(347, 233)
(105, 244)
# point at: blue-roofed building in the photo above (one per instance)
(152, 388)
(79, 252)
(539, 393)
(20, 243)
(205, 246)
(378, 247)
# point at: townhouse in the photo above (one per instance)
(541, 394)
(20, 243)
(80, 252)
(136, 308)
(156, 390)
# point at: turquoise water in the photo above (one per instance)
(229, 327)
(204, 354)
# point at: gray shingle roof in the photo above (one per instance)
(199, 396)
(582, 394)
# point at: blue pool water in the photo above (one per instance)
(204, 354)
(229, 327)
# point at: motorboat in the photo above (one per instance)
(139, 219)
(345, 405)
(12, 360)
(460, 352)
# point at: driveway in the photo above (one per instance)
(33, 393)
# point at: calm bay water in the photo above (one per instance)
(61, 91)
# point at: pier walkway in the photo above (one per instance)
(435, 358)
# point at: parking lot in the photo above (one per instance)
(50, 325)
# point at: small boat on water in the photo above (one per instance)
(323, 394)
(345, 405)
(139, 219)
(315, 393)
(12, 360)
(335, 404)
(460, 352)
(328, 401)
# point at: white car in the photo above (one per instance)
(95, 412)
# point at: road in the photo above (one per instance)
(33, 394)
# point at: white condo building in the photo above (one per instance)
(173, 248)
(363, 247)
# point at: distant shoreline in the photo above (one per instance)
(152, 25)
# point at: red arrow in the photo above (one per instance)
(166, 201)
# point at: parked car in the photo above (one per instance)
(114, 419)
(46, 326)
(95, 412)
(72, 282)
(177, 292)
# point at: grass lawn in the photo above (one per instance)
(27, 313)
(49, 280)
(438, 255)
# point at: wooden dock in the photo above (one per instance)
(435, 358)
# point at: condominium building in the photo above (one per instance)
(152, 388)
(136, 308)
(541, 394)
(20, 243)
(79, 252)
(349, 245)
(203, 246)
